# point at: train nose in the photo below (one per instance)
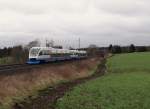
(33, 61)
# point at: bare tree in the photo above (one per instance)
(92, 50)
(92, 46)
(19, 54)
(35, 43)
(71, 48)
(49, 43)
(131, 48)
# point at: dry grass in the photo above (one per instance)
(18, 86)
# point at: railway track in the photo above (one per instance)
(4, 68)
(10, 69)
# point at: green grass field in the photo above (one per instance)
(129, 88)
(129, 62)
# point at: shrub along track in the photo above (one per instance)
(48, 97)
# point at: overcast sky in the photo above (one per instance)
(98, 22)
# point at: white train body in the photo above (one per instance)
(48, 54)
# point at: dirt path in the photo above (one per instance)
(47, 98)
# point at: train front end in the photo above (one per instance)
(33, 54)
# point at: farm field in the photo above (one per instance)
(125, 86)
(129, 62)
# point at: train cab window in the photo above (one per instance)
(40, 53)
(34, 52)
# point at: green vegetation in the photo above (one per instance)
(114, 91)
(127, 90)
(129, 62)
(5, 60)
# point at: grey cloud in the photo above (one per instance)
(126, 7)
(95, 21)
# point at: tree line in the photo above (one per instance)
(18, 54)
(127, 49)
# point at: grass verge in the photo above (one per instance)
(23, 85)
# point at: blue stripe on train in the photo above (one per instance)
(33, 62)
(52, 59)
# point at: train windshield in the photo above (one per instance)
(34, 51)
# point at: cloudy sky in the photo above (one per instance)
(98, 22)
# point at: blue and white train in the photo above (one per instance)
(39, 55)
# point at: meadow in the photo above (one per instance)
(126, 85)
(129, 62)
